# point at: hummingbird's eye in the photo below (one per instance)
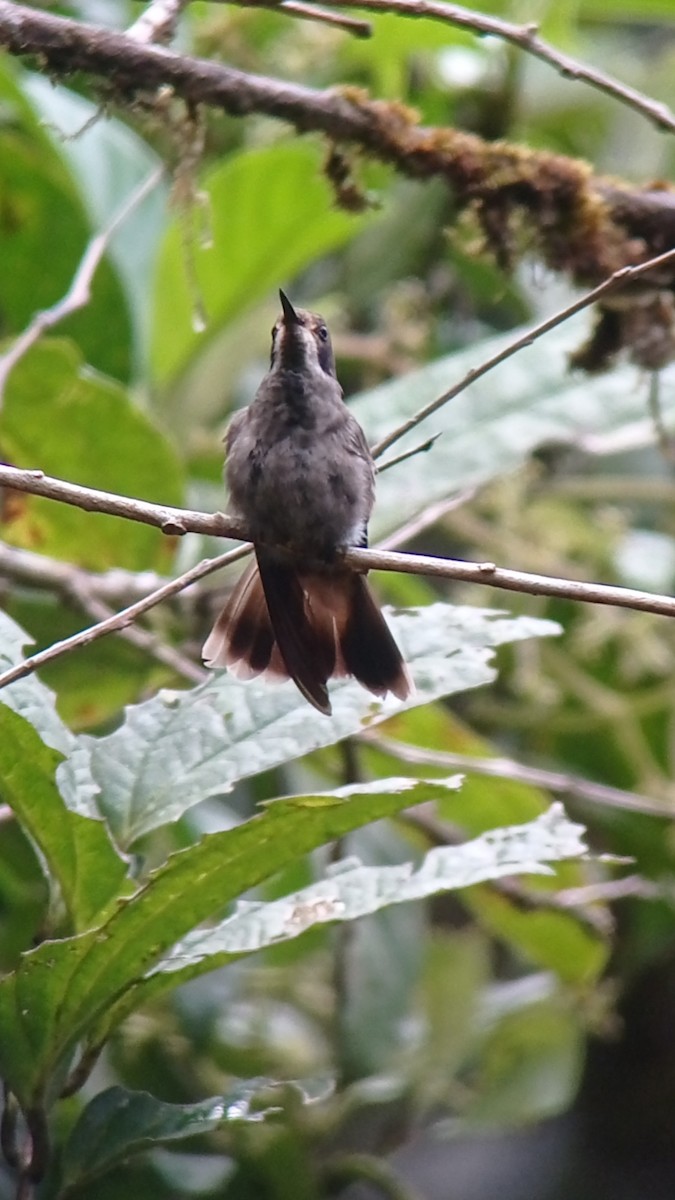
(322, 333)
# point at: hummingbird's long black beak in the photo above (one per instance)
(290, 315)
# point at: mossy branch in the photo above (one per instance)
(578, 223)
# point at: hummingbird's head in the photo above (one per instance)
(301, 341)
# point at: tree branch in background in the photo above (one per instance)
(526, 38)
(98, 595)
(311, 12)
(142, 639)
(119, 621)
(583, 225)
(114, 587)
(568, 787)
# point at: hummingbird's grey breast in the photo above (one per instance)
(299, 469)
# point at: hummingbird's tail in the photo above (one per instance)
(285, 622)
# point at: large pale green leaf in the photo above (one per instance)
(82, 986)
(76, 850)
(353, 890)
(30, 697)
(61, 417)
(270, 212)
(175, 750)
(493, 426)
(530, 1060)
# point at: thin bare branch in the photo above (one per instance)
(98, 595)
(618, 279)
(172, 521)
(664, 437)
(79, 292)
(120, 620)
(610, 890)
(525, 37)
(142, 639)
(310, 12)
(179, 521)
(405, 454)
(561, 784)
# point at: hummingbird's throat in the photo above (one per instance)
(296, 346)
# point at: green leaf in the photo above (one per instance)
(530, 1062)
(118, 1123)
(177, 749)
(557, 941)
(457, 970)
(44, 222)
(85, 985)
(109, 161)
(77, 850)
(493, 426)
(110, 444)
(271, 214)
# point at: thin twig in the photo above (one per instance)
(179, 521)
(362, 29)
(561, 784)
(405, 454)
(142, 639)
(526, 38)
(610, 890)
(121, 619)
(172, 521)
(618, 279)
(97, 595)
(79, 292)
(310, 12)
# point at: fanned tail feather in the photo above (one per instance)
(283, 622)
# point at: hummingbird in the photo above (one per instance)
(301, 475)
